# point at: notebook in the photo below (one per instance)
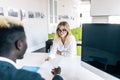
(31, 68)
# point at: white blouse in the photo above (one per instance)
(67, 49)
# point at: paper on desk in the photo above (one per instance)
(55, 62)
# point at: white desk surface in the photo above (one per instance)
(71, 68)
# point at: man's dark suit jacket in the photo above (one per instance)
(9, 72)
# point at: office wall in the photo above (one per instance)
(100, 19)
(105, 7)
(36, 28)
(67, 11)
(102, 9)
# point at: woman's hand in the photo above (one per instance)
(58, 52)
(48, 58)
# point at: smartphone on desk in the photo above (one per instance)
(31, 68)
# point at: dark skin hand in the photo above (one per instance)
(56, 71)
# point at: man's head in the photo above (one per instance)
(12, 38)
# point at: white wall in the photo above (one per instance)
(36, 28)
(66, 8)
(69, 8)
(105, 7)
(102, 9)
(100, 19)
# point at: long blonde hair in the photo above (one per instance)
(67, 27)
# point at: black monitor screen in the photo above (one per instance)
(101, 47)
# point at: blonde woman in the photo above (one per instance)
(64, 43)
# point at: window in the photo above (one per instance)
(53, 11)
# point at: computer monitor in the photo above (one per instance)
(101, 49)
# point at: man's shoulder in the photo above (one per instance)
(8, 70)
(27, 75)
(57, 77)
(6, 64)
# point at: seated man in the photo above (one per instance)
(13, 46)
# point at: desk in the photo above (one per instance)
(32, 59)
(70, 66)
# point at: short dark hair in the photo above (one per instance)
(10, 31)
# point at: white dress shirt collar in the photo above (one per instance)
(8, 60)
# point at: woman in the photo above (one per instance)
(64, 43)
